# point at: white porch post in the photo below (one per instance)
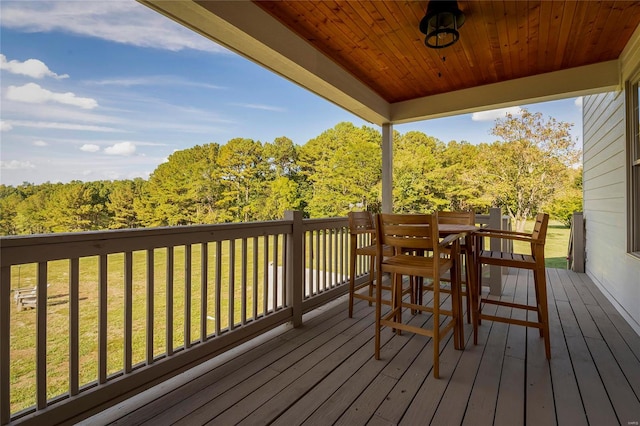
(387, 168)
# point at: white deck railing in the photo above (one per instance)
(119, 311)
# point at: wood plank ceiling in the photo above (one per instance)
(379, 43)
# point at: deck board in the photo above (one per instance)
(569, 408)
(510, 405)
(324, 372)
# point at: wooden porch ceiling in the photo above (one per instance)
(369, 56)
(380, 44)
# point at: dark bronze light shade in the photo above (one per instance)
(441, 23)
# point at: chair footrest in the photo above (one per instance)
(511, 321)
(368, 284)
(386, 321)
(370, 298)
(509, 304)
(423, 308)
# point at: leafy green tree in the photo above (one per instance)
(524, 171)
(283, 188)
(282, 195)
(243, 173)
(179, 191)
(459, 176)
(568, 199)
(417, 178)
(342, 168)
(209, 186)
(121, 201)
(78, 206)
(10, 198)
(33, 213)
(168, 196)
(282, 157)
(337, 171)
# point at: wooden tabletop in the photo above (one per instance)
(450, 228)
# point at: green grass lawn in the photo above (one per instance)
(555, 250)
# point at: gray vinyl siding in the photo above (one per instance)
(616, 272)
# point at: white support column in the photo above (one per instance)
(387, 168)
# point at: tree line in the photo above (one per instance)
(531, 168)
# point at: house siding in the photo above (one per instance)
(608, 264)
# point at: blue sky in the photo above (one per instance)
(87, 93)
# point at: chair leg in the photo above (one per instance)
(456, 306)
(378, 314)
(372, 261)
(416, 285)
(543, 309)
(476, 303)
(398, 301)
(467, 286)
(436, 330)
(478, 282)
(352, 278)
(536, 285)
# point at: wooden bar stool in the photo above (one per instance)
(533, 261)
(418, 252)
(363, 243)
(466, 249)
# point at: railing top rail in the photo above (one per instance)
(16, 250)
(317, 224)
(39, 248)
(135, 233)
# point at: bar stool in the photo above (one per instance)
(418, 252)
(533, 261)
(363, 243)
(466, 249)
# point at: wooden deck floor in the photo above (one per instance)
(324, 373)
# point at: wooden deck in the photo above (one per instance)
(325, 373)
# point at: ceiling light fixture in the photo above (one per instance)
(441, 23)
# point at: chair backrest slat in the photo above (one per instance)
(360, 221)
(408, 231)
(457, 218)
(540, 228)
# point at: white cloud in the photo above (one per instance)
(31, 67)
(261, 106)
(34, 94)
(60, 126)
(16, 165)
(154, 80)
(121, 148)
(43, 168)
(495, 114)
(5, 126)
(40, 143)
(578, 103)
(55, 112)
(116, 21)
(89, 147)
